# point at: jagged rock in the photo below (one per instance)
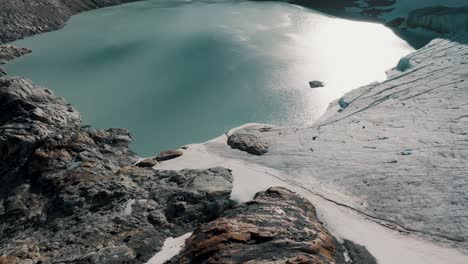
(169, 154)
(147, 163)
(278, 226)
(357, 253)
(9, 52)
(21, 18)
(316, 84)
(2, 72)
(71, 194)
(248, 143)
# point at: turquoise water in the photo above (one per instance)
(175, 73)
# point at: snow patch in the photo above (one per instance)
(250, 178)
(171, 247)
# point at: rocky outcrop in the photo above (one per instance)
(248, 143)
(21, 18)
(9, 52)
(277, 226)
(316, 84)
(70, 194)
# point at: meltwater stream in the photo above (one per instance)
(182, 72)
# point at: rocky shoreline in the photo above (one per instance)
(20, 19)
(70, 194)
(392, 152)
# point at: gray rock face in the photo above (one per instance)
(71, 195)
(398, 150)
(9, 52)
(278, 226)
(2, 72)
(21, 18)
(248, 143)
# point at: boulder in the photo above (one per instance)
(277, 226)
(248, 143)
(169, 154)
(316, 84)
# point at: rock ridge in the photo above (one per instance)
(70, 194)
(277, 226)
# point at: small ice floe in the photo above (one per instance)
(171, 247)
(316, 84)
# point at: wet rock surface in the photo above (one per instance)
(9, 52)
(277, 226)
(70, 194)
(248, 143)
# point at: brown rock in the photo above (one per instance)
(278, 226)
(8, 260)
(169, 154)
(147, 163)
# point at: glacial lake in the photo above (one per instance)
(179, 72)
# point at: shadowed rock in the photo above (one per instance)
(248, 143)
(169, 154)
(316, 84)
(147, 163)
(69, 194)
(278, 226)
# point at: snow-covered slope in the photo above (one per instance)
(398, 152)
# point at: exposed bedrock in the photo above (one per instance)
(22, 18)
(396, 151)
(277, 226)
(70, 194)
(9, 52)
